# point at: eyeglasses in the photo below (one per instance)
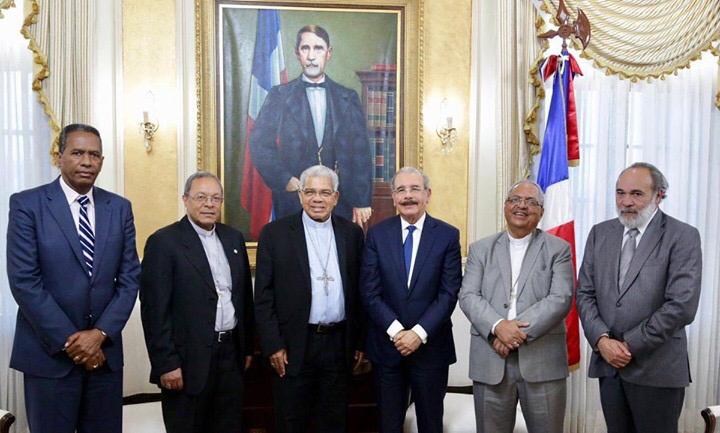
(202, 198)
(324, 193)
(528, 201)
(411, 190)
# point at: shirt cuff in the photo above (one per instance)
(604, 334)
(393, 329)
(420, 332)
(492, 331)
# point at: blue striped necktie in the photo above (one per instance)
(87, 237)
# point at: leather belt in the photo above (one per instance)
(325, 328)
(224, 336)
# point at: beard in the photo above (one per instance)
(636, 219)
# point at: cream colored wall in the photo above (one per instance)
(149, 62)
(447, 75)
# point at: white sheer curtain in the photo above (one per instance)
(674, 125)
(25, 162)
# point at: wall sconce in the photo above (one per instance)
(445, 129)
(148, 127)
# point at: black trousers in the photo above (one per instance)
(631, 408)
(393, 385)
(218, 408)
(319, 392)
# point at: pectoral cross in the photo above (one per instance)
(325, 278)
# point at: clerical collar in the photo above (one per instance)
(520, 241)
(201, 231)
(309, 222)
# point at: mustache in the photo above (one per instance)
(409, 201)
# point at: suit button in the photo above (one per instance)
(505, 305)
(617, 304)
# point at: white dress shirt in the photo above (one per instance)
(318, 107)
(225, 319)
(71, 195)
(396, 326)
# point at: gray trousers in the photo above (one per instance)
(542, 403)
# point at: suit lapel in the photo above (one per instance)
(103, 222)
(57, 203)
(649, 240)
(341, 246)
(503, 253)
(335, 105)
(297, 240)
(195, 252)
(299, 106)
(394, 238)
(427, 239)
(528, 263)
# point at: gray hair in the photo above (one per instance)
(659, 182)
(319, 171)
(540, 195)
(411, 170)
(200, 175)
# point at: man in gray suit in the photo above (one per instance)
(639, 288)
(516, 292)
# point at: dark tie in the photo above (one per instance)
(626, 255)
(87, 238)
(312, 85)
(407, 249)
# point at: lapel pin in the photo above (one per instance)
(234, 251)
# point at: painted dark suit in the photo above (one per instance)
(283, 144)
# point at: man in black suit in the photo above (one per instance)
(197, 314)
(313, 120)
(308, 306)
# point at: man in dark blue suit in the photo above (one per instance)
(73, 270)
(312, 120)
(410, 278)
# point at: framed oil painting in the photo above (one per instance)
(287, 85)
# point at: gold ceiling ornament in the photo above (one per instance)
(6, 4)
(637, 39)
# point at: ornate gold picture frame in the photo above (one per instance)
(401, 22)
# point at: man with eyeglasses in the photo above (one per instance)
(308, 308)
(516, 291)
(639, 288)
(197, 314)
(409, 283)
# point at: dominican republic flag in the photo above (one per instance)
(560, 149)
(268, 70)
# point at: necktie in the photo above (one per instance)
(407, 249)
(626, 255)
(87, 238)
